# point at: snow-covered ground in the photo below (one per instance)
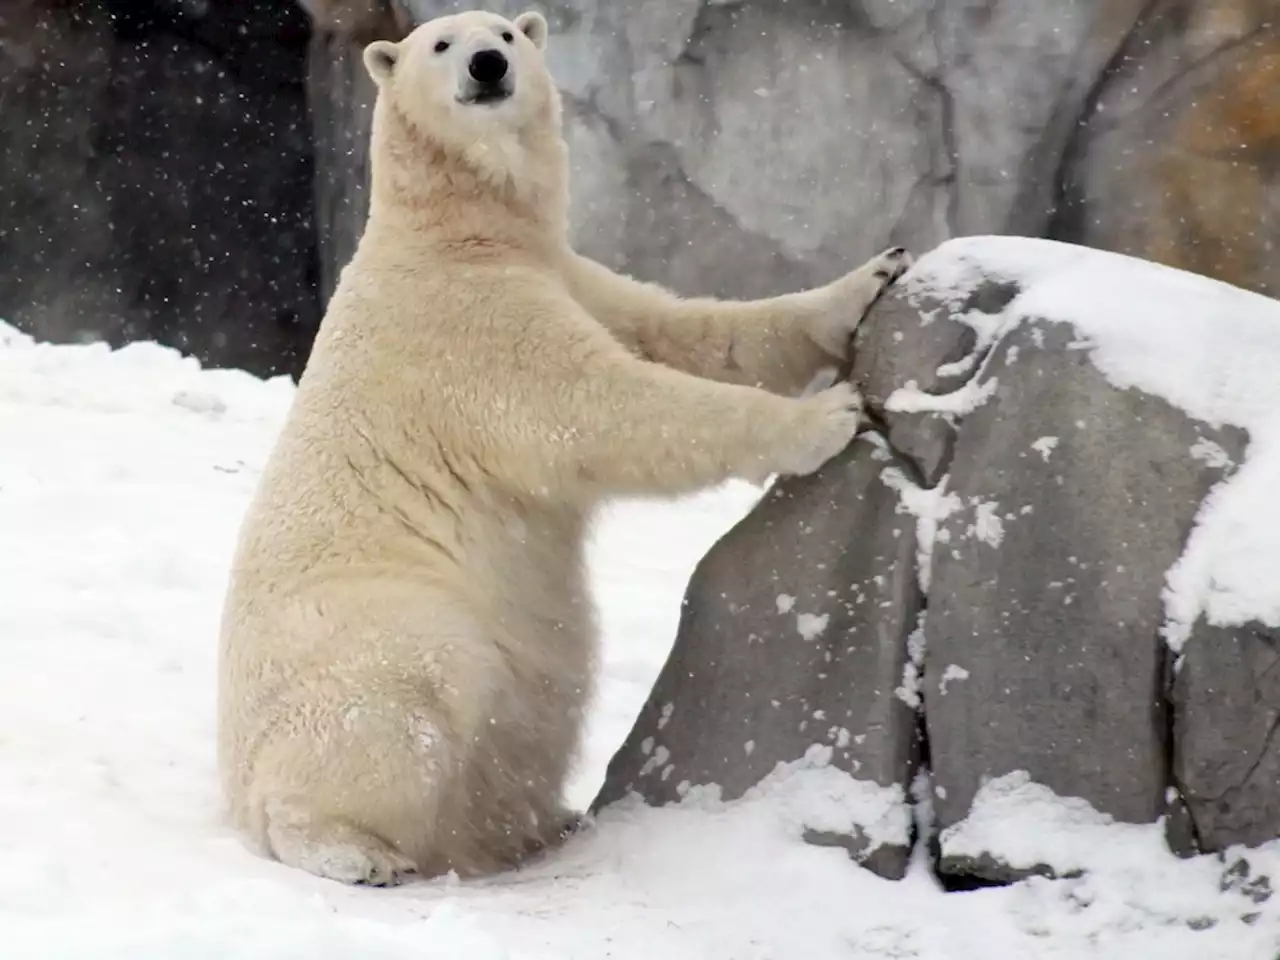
(122, 479)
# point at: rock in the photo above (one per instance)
(1226, 756)
(1041, 513)
(1047, 592)
(790, 642)
(912, 342)
(158, 178)
(782, 622)
(665, 99)
(1176, 154)
(341, 96)
(1146, 127)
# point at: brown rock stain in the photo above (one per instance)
(1220, 206)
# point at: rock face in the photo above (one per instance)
(1178, 157)
(698, 162)
(1073, 499)
(1226, 756)
(999, 561)
(161, 185)
(157, 177)
(795, 641)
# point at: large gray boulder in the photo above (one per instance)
(1073, 499)
(996, 555)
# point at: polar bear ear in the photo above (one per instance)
(380, 60)
(534, 26)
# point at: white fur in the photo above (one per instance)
(408, 640)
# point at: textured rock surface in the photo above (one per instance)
(741, 147)
(748, 147)
(789, 639)
(341, 98)
(1049, 507)
(157, 177)
(1226, 760)
(1178, 159)
(1073, 500)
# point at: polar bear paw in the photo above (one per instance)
(562, 825)
(889, 266)
(825, 423)
(364, 864)
(334, 850)
(849, 298)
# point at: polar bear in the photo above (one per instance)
(407, 642)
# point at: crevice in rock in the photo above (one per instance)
(699, 29)
(1196, 69)
(991, 299)
(1062, 207)
(1181, 832)
(1263, 751)
(654, 169)
(950, 145)
(921, 831)
(946, 121)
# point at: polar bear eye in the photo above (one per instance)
(507, 36)
(441, 46)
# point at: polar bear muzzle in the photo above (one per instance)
(489, 78)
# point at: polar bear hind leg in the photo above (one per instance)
(363, 775)
(331, 848)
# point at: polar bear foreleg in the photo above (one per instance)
(779, 343)
(624, 427)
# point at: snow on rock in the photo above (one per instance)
(951, 673)
(913, 670)
(1208, 348)
(1115, 871)
(811, 625)
(825, 799)
(1027, 825)
(1045, 446)
(930, 506)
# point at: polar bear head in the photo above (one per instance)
(475, 86)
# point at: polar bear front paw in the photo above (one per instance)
(890, 265)
(825, 424)
(849, 298)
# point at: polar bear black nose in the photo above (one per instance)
(488, 66)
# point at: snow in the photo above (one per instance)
(1206, 347)
(987, 525)
(1045, 445)
(122, 482)
(811, 625)
(1028, 826)
(913, 668)
(952, 673)
(930, 506)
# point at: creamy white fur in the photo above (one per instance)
(408, 640)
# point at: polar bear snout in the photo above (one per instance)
(488, 67)
(489, 78)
